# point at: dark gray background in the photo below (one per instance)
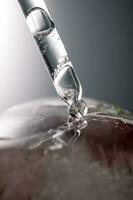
(98, 37)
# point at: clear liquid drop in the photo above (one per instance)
(78, 111)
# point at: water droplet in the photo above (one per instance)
(78, 109)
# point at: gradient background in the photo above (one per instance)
(98, 37)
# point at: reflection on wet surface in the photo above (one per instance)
(98, 164)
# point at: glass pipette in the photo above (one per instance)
(55, 56)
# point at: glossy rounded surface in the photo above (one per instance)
(95, 165)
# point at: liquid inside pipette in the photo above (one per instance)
(58, 64)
